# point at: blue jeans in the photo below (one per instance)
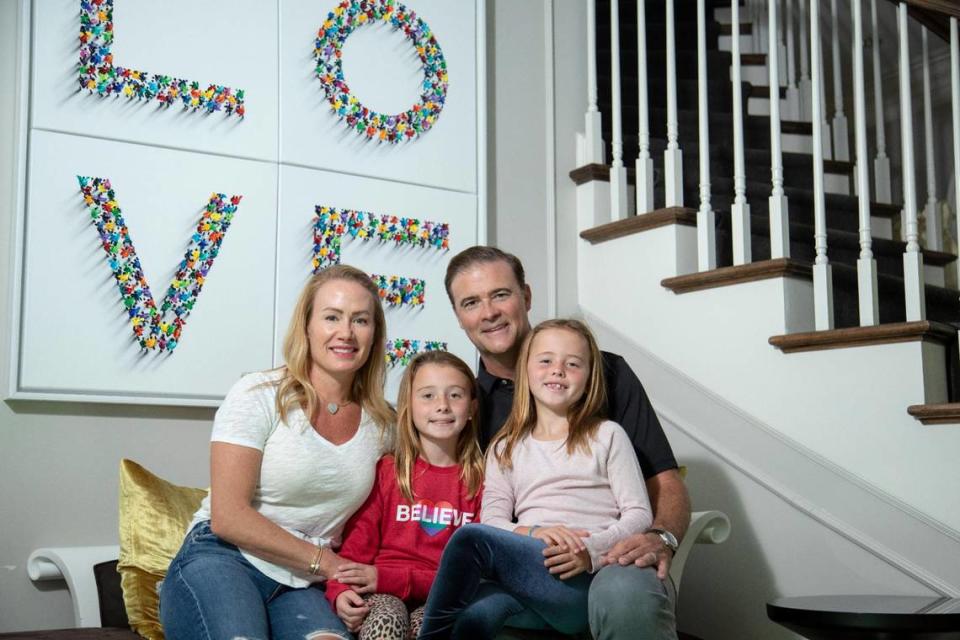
(489, 577)
(211, 592)
(630, 602)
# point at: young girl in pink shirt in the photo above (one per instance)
(425, 491)
(562, 487)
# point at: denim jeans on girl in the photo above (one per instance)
(211, 592)
(488, 576)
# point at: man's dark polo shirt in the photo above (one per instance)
(627, 405)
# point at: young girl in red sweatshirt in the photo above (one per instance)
(425, 491)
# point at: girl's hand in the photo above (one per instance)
(352, 609)
(560, 536)
(362, 578)
(566, 564)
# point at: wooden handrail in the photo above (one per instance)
(933, 14)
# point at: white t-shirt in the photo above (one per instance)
(307, 485)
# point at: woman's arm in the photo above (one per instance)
(630, 493)
(234, 470)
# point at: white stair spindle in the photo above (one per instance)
(792, 111)
(955, 101)
(881, 164)
(841, 140)
(740, 211)
(706, 232)
(804, 83)
(672, 156)
(593, 152)
(822, 270)
(912, 258)
(866, 264)
(618, 172)
(644, 162)
(779, 216)
(826, 144)
(930, 211)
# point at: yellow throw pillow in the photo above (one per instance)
(154, 515)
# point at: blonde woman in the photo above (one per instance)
(293, 455)
(424, 492)
(572, 481)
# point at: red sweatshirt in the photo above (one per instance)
(404, 541)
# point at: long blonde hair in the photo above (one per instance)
(407, 447)
(583, 416)
(294, 388)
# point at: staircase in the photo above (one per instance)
(942, 304)
(753, 338)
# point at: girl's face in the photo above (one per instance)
(557, 368)
(441, 403)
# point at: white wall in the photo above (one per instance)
(59, 461)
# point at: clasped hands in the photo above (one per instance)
(567, 555)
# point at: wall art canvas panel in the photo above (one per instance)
(125, 70)
(411, 262)
(96, 256)
(386, 75)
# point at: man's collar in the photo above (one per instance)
(485, 379)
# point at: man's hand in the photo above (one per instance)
(352, 609)
(643, 550)
(362, 578)
(566, 564)
(560, 536)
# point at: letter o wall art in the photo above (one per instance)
(186, 166)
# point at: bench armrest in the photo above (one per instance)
(706, 527)
(75, 566)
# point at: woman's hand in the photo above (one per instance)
(352, 609)
(566, 564)
(560, 536)
(362, 578)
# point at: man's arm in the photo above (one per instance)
(671, 510)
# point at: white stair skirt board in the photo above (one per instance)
(847, 405)
(725, 43)
(934, 275)
(593, 204)
(881, 227)
(733, 445)
(760, 106)
(796, 143)
(756, 74)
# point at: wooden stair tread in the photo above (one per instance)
(746, 29)
(763, 91)
(726, 276)
(945, 413)
(643, 222)
(890, 333)
(753, 59)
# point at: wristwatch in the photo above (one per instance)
(669, 540)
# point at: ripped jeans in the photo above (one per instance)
(211, 592)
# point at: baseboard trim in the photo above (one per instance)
(930, 540)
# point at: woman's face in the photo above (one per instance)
(341, 327)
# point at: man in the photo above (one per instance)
(631, 592)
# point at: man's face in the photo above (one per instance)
(491, 307)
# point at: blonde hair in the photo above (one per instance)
(407, 447)
(294, 388)
(583, 416)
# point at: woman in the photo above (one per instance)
(293, 455)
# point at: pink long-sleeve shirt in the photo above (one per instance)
(602, 492)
